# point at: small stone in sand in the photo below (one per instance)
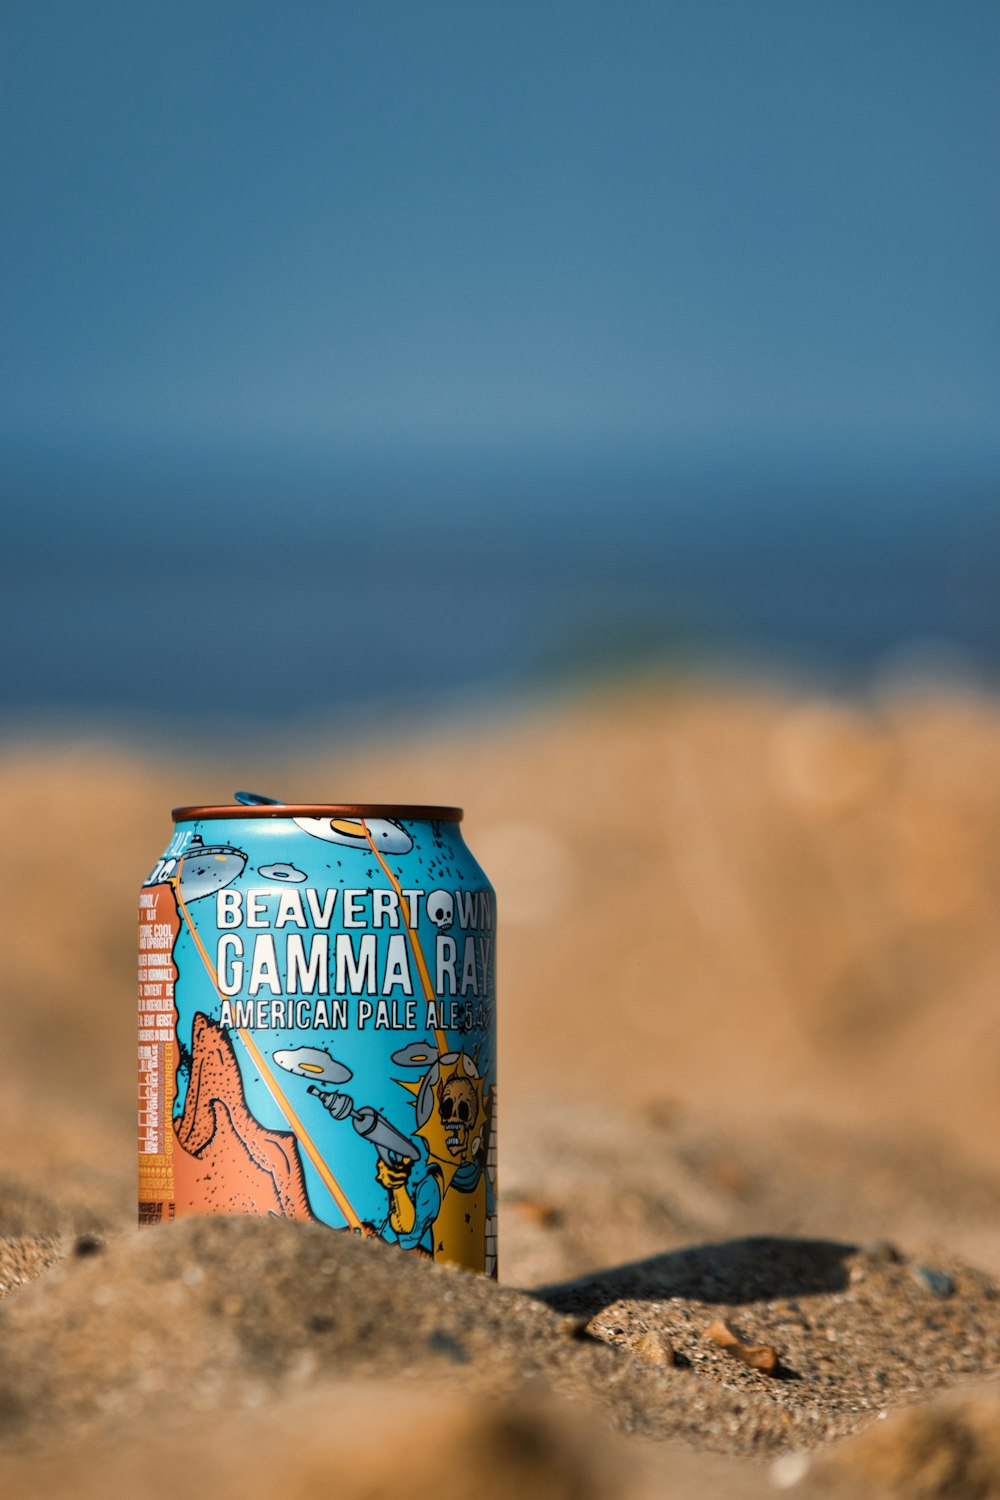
(938, 1282)
(762, 1357)
(789, 1470)
(653, 1349)
(881, 1251)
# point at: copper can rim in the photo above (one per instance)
(412, 812)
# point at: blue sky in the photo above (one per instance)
(454, 223)
(502, 273)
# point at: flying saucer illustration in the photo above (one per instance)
(387, 836)
(314, 1063)
(206, 868)
(416, 1055)
(287, 873)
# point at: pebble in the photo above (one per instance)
(938, 1282)
(789, 1470)
(654, 1349)
(883, 1251)
(762, 1357)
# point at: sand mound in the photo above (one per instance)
(242, 1352)
(748, 1055)
(336, 1439)
(948, 1449)
(210, 1313)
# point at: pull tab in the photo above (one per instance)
(254, 799)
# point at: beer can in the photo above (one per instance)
(317, 1024)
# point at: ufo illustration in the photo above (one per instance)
(287, 873)
(416, 1055)
(314, 1063)
(205, 868)
(387, 836)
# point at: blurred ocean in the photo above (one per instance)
(216, 591)
(391, 360)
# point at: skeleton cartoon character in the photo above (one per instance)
(454, 1201)
(441, 909)
(458, 1106)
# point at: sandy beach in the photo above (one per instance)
(749, 1127)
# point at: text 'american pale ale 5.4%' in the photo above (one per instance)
(317, 1024)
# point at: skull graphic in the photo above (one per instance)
(441, 909)
(458, 1107)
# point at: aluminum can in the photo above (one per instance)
(317, 1024)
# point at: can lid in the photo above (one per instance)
(410, 811)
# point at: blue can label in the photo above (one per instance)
(317, 1030)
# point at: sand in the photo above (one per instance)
(748, 1059)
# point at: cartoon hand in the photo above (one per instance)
(395, 1176)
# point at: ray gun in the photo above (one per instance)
(391, 1146)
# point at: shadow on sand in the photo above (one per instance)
(732, 1273)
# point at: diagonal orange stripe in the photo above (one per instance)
(300, 1132)
(414, 941)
